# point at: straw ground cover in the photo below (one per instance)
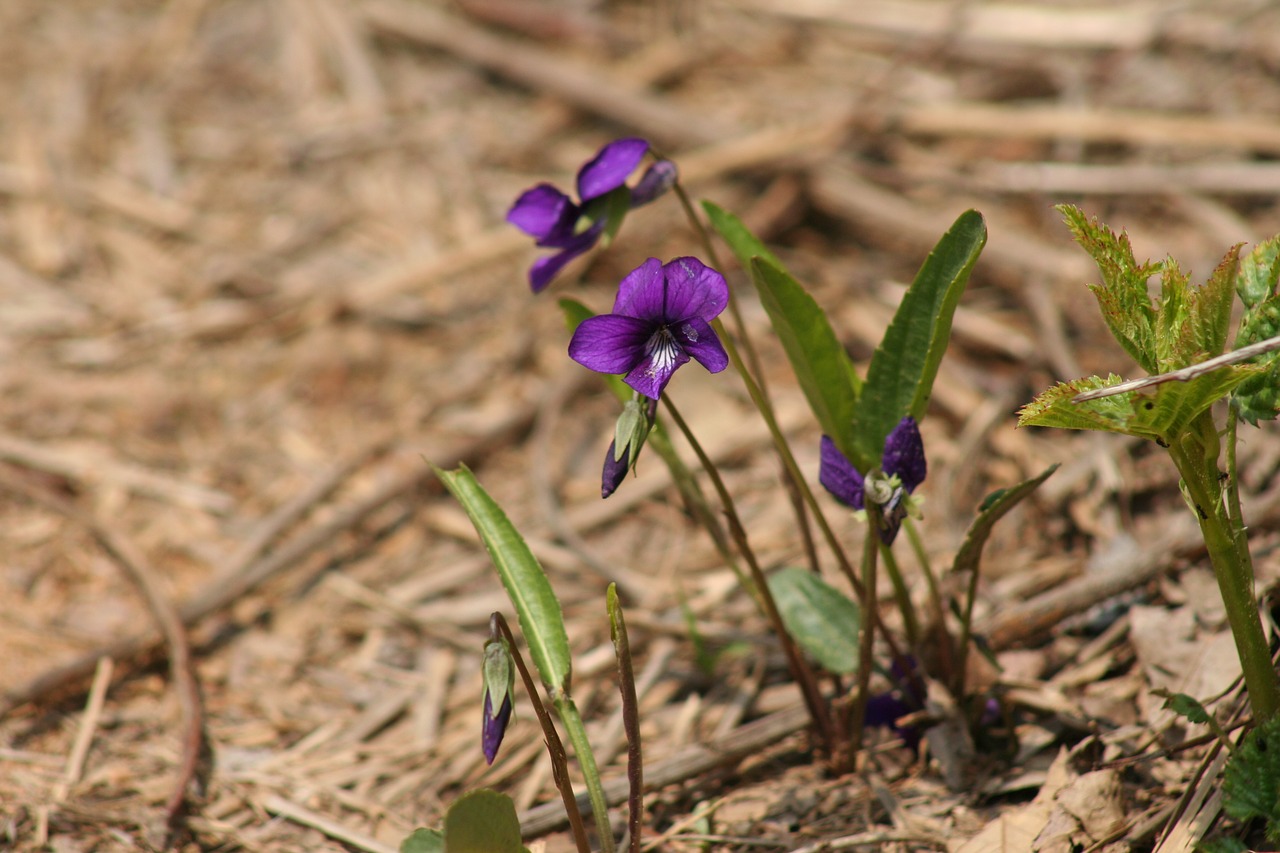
(254, 270)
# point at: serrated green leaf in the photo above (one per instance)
(527, 586)
(993, 508)
(738, 237)
(1157, 415)
(1258, 274)
(1122, 296)
(1258, 397)
(900, 376)
(1251, 780)
(820, 618)
(821, 365)
(482, 821)
(1210, 311)
(423, 841)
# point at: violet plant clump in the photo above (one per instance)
(556, 221)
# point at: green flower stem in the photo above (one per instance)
(1232, 564)
(555, 748)
(800, 669)
(577, 733)
(866, 644)
(910, 624)
(788, 459)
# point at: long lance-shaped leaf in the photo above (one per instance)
(821, 365)
(526, 584)
(821, 618)
(900, 377)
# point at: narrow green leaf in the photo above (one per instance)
(900, 377)
(482, 821)
(820, 618)
(993, 509)
(821, 365)
(527, 586)
(423, 841)
(738, 237)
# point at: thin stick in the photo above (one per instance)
(1185, 374)
(88, 726)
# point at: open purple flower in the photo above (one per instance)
(555, 221)
(661, 318)
(903, 463)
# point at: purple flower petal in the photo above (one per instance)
(640, 293)
(838, 476)
(494, 726)
(544, 213)
(610, 343)
(610, 168)
(904, 454)
(698, 339)
(662, 356)
(545, 269)
(687, 288)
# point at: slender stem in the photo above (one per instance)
(866, 642)
(555, 747)
(788, 459)
(910, 624)
(946, 651)
(1232, 564)
(586, 756)
(800, 670)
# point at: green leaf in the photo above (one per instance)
(482, 821)
(821, 365)
(1187, 707)
(1122, 296)
(900, 377)
(423, 841)
(1258, 274)
(527, 586)
(993, 508)
(738, 237)
(820, 618)
(1251, 780)
(1160, 415)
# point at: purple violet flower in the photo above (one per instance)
(903, 463)
(555, 221)
(494, 726)
(661, 318)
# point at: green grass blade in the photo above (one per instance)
(527, 586)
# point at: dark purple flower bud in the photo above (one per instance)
(657, 180)
(661, 318)
(494, 726)
(904, 467)
(556, 221)
(615, 471)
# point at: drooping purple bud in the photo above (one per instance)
(494, 727)
(656, 181)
